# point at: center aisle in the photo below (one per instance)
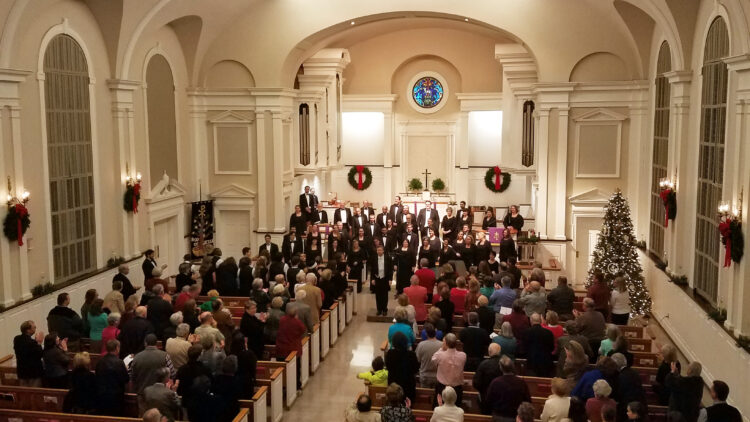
(335, 383)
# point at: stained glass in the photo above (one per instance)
(427, 92)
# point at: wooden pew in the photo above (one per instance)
(274, 381)
(13, 415)
(342, 314)
(425, 415)
(325, 334)
(354, 301)
(424, 398)
(289, 368)
(334, 323)
(315, 349)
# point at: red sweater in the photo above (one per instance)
(289, 337)
(458, 297)
(426, 278)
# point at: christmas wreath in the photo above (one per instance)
(731, 237)
(131, 197)
(360, 177)
(669, 197)
(496, 180)
(16, 223)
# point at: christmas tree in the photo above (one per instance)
(615, 254)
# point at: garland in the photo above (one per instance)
(731, 237)
(16, 222)
(360, 177)
(131, 197)
(669, 198)
(492, 179)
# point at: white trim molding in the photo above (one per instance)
(599, 117)
(230, 119)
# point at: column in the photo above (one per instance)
(639, 175)
(388, 123)
(461, 151)
(23, 252)
(199, 143)
(542, 143)
(123, 93)
(560, 199)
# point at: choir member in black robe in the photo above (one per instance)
(320, 216)
(464, 215)
(483, 248)
(298, 220)
(450, 226)
(307, 203)
(426, 251)
(447, 253)
(356, 260)
(467, 252)
(312, 251)
(489, 220)
(507, 246)
(513, 220)
(405, 262)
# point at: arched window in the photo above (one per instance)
(71, 175)
(304, 134)
(660, 150)
(527, 151)
(162, 127)
(711, 159)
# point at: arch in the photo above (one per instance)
(229, 74)
(398, 89)
(161, 119)
(64, 29)
(600, 66)
(665, 21)
(124, 69)
(9, 32)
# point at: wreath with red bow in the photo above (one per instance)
(496, 180)
(669, 198)
(131, 197)
(16, 222)
(731, 237)
(360, 177)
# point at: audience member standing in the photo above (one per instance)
(56, 361)
(506, 393)
(720, 411)
(557, 406)
(402, 365)
(448, 411)
(600, 293)
(600, 401)
(127, 287)
(425, 349)
(539, 344)
(133, 333)
(475, 341)
(591, 324)
(81, 397)
(620, 302)
(450, 366)
(145, 368)
(111, 379)
(561, 299)
(65, 321)
(161, 395)
(487, 371)
(28, 350)
(417, 295)
(686, 392)
(114, 300)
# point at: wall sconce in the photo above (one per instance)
(14, 200)
(666, 184)
(729, 210)
(668, 196)
(730, 228)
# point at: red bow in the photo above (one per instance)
(360, 169)
(726, 236)
(664, 195)
(497, 177)
(136, 192)
(22, 212)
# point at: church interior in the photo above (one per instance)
(159, 131)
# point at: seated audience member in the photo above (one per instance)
(272, 320)
(361, 411)
(378, 375)
(506, 341)
(636, 411)
(56, 362)
(487, 316)
(475, 341)
(591, 324)
(450, 366)
(177, 346)
(458, 295)
(557, 406)
(533, 299)
(487, 371)
(27, 347)
(191, 371)
(600, 401)
(539, 345)
(213, 354)
(81, 397)
(668, 354)
(525, 412)
(417, 295)
(720, 411)
(506, 393)
(401, 325)
(561, 299)
(65, 321)
(685, 392)
(253, 328)
(520, 324)
(447, 411)
(402, 365)
(395, 409)
(161, 395)
(425, 349)
(114, 300)
(111, 380)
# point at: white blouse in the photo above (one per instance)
(620, 302)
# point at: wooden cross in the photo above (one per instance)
(426, 173)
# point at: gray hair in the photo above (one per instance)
(535, 319)
(505, 281)
(602, 388)
(449, 396)
(620, 360)
(301, 294)
(310, 278)
(176, 318)
(506, 330)
(113, 318)
(123, 268)
(451, 340)
(158, 289)
(257, 284)
(414, 280)
(183, 330)
(423, 262)
(300, 277)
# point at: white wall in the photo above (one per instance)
(363, 136)
(485, 137)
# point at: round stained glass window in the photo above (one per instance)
(427, 92)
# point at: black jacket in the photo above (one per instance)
(132, 336)
(487, 371)
(475, 341)
(127, 287)
(722, 412)
(273, 252)
(539, 344)
(111, 380)
(81, 397)
(65, 322)
(686, 395)
(388, 270)
(286, 247)
(159, 311)
(252, 328)
(28, 357)
(629, 389)
(147, 267)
